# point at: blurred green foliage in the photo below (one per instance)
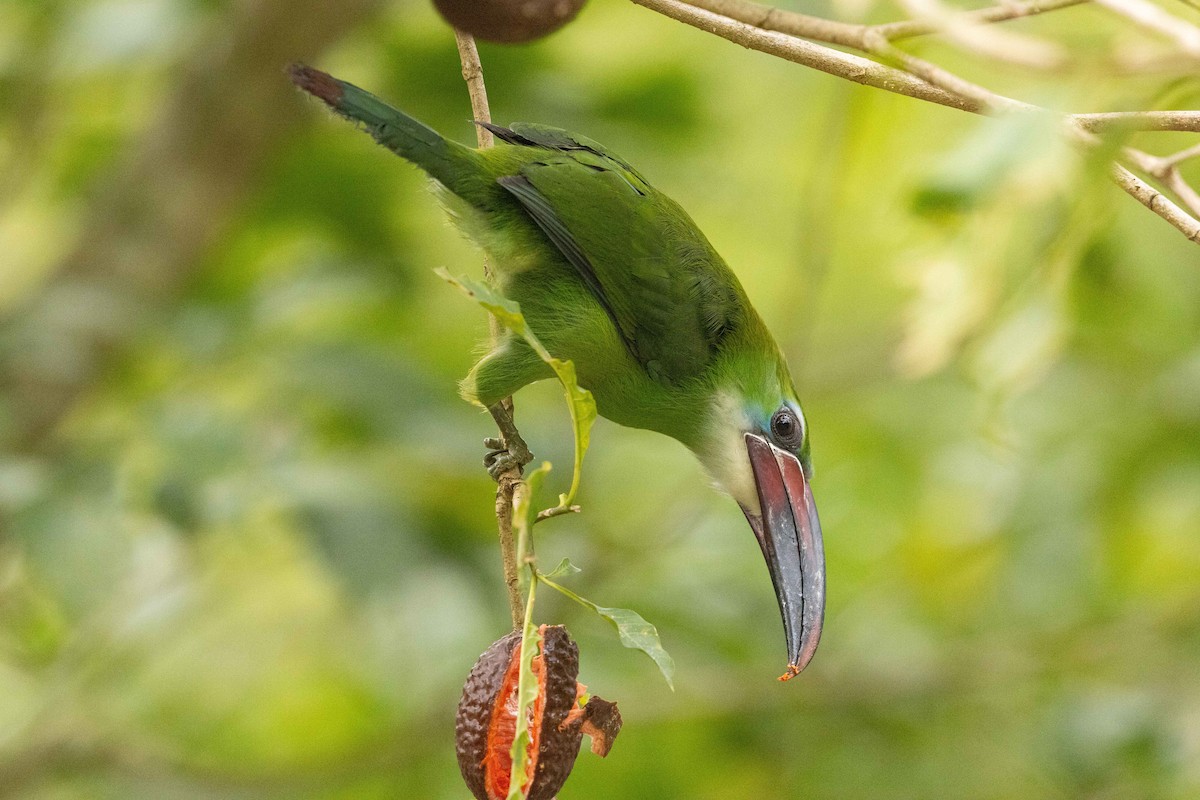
(254, 555)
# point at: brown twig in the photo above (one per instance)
(472, 72)
(509, 481)
(834, 62)
(1182, 155)
(983, 38)
(909, 28)
(557, 511)
(1152, 199)
(848, 34)
(1183, 121)
(759, 27)
(1166, 171)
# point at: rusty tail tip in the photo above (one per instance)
(792, 671)
(319, 84)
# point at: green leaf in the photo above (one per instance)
(527, 690)
(565, 567)
(638, 634)
(580, 402)
(583, 416)
(525, 512)
(634, 631)
(503, 309)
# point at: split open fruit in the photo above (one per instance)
(487, 717)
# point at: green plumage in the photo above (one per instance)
(609, 272)
(613, 275)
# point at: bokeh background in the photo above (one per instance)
(248, 548)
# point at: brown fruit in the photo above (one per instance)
(508, 21)
(487, 717)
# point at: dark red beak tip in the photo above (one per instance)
(789, 532)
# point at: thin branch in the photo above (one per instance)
(507, 486)
(983, 38)
(1182, 155)
(986, 101)
(793, 23)
(757, 27)
(877, 40)
(1185, 121)
(1152, 199)
(1166, 172)
(510, 480)
(472, 72)
(849, 34)
(907, 29)
(1134, 61)
(833, 62)
(557, 511)
(919, 79)
(1181, 188)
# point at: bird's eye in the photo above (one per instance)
(787, 428)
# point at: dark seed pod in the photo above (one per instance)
(487, 717)
(508, 21)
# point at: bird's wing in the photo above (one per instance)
(531, 134)
(670, 296)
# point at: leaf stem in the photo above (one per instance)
(632, 629)
(527, 691)
(557, 511)
(558, 587)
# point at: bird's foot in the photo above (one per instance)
(502, 457)
(509, 452)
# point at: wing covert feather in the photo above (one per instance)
(670, 296)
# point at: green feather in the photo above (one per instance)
(609, 272)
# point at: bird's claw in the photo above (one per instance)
(501, 459)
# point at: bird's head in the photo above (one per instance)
(756, 446)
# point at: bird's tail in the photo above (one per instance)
(450, 163)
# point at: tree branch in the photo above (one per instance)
(1166, 172)
(1184, 121)
(472, 72)
(557, 511)
(983, 38)
(833, 62)
(510, 480)
(1152, 199)
(909, 28)
(848, 34)
(759, 27)
(1182, 155)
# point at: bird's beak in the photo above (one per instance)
(790, 536)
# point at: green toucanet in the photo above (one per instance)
(613, 275)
